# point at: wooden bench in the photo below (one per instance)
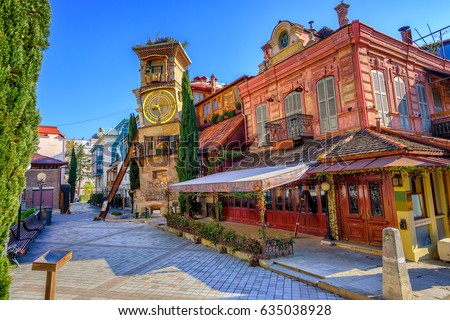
(32, 223)
(19, 242)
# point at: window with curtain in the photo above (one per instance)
(381, 101)
(327, 105)
(402, 104)
(437, 101)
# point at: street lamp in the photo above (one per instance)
(325, 186)
(41, 181)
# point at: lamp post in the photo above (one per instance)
(41, 181)
(19, 214)
(325, 186)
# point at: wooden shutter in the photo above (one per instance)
(380, 94)
(402, 104)
(293, 103)
(327, 105)
(426, 122)
(261, 120)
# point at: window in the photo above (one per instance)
(437, 101)
(293, 103)
(311, 198)
(284, 40)
(381, 102)
(206, 109)
(269, 200)
(198, 97)
(261, 120)
(161, 145)
(154, 66)
(402, 104)
(352, 198)
(418, 198)
(375, 199)
(288, 199)
(423, 105)
(278, 199)
(438, 205)
(159, 174)
(327, 105)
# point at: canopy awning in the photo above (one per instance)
(382, 162)
(247, 180)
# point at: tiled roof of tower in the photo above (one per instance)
(45, 131)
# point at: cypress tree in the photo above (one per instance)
(24, 29)
(134, 168)
(187, 165)
(73, 174)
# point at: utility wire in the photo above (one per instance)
(93, 119)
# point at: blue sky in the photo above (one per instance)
(90, 70)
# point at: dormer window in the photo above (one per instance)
(284, 40)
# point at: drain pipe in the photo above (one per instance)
(357, 35)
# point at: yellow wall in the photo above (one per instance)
(405, 212)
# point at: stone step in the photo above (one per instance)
(294, 274)
(360, 247)
(293, 268)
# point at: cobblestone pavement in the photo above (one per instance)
(129, 260)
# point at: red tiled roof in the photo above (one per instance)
(44, 131)
(218, 134)
(367, 143)
(39, 159)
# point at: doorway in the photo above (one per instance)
(365, 209)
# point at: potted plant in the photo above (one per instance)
(238, 106)
(214, 118)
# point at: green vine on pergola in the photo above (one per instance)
(411, 171)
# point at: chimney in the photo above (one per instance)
(406, 34)
(342, 10)
(378, 120)
(213, 83)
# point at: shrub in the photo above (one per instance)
(214, 117)
(97, 199)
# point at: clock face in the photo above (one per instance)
(159, 107)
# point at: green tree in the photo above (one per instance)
(24, 29)
(83, 166)
(187, 165)
(134, 168)
(73, 174)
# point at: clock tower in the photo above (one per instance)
(162, 63)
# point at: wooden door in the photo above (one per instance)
(364, 210)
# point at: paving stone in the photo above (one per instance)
(129, 260)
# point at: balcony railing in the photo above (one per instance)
(440, 125)
(295, 127)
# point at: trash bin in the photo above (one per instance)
(48, 215)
